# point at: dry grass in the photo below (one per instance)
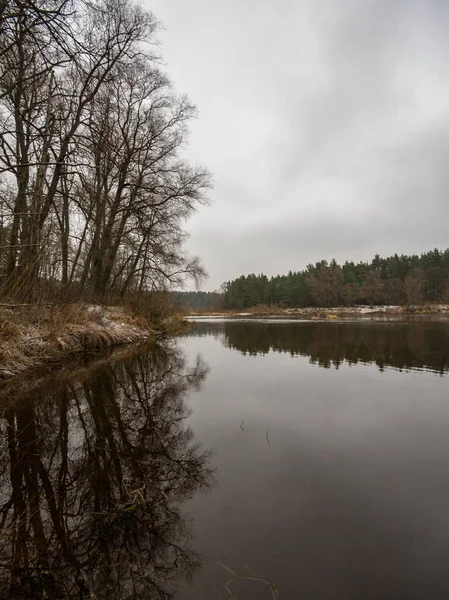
(35, 336)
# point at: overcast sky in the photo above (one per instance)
(324, 122)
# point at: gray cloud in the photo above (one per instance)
(326, 125)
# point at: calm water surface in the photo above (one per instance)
(328, 476)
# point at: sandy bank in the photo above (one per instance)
(335, 312)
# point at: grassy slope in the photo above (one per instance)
(31, 337)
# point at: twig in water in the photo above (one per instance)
(266, 437)
(235, 578)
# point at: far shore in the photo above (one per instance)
(329, 313)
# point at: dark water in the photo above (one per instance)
(94, 476)
(329, 476)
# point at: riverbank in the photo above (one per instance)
(74, 369)
(35, 336)
(337, 312)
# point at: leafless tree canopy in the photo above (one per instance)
(94, 190)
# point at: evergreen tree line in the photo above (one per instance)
(94, 190)
(395, 280)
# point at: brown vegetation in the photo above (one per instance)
(94, 185)
(48, 335)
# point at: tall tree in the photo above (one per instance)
(95, 191)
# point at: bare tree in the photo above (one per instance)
(134, 191)
(93, 185)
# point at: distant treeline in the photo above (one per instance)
(395, 280)
(392, 280)
(193, 300)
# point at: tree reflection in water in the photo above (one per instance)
(92, 483)
(418, 344)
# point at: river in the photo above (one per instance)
(247, 459)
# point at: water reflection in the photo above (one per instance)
(92, 481)
(403, 345)
(349, 498)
